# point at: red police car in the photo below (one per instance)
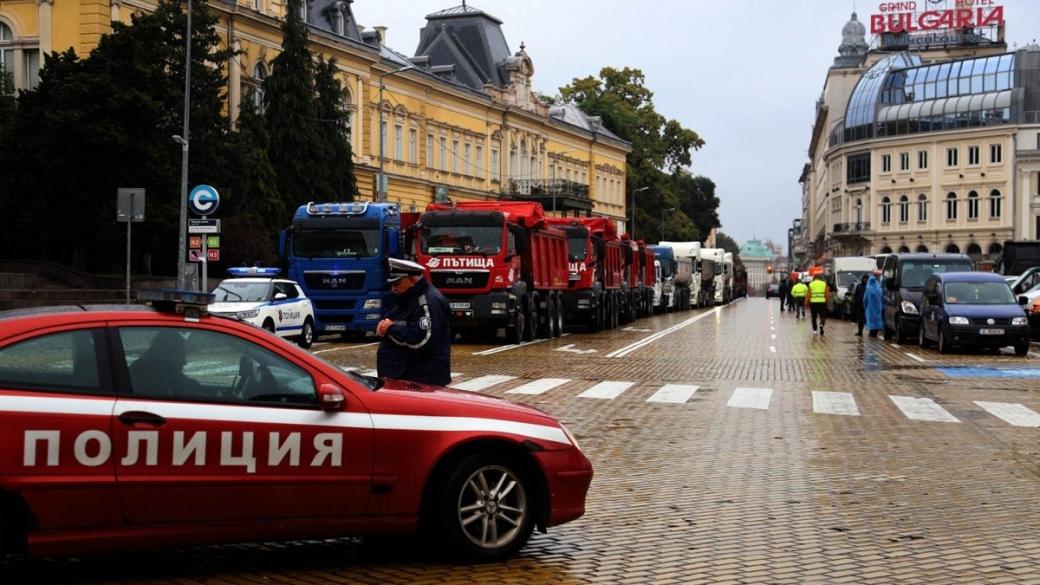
(124, 427)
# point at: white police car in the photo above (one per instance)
(256, 296)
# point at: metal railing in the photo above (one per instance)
(549, 188)
(852, 228)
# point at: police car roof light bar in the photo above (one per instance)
(337, 208)
(254, 271)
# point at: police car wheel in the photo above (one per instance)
(486, 508)
(306, 338)
(269, 326)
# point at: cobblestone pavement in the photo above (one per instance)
(733, 446)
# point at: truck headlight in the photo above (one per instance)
(373, 304)
(958, 320)
(909, 308)
(1020, 321)
(251, 314)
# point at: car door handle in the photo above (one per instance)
(138, 417)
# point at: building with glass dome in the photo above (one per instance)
(931, 150)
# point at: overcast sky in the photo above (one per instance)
(744, 74)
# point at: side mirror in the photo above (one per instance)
(280, 296)
(331, 398)
(1023, 301)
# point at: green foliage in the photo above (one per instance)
(333, 115)
(727, 243)
(676, 206)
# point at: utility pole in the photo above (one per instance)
(183, 140)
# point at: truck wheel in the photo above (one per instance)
(531, 329)
(596, 317)
(558, 323)
(515, 331)
(306, 338)
(615, 312)
(485, 510)
(548, 317)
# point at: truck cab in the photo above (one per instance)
(687, 275)
(664, 288)
(337, 252)
(713, 275)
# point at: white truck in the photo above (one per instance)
(844, 274)
(687, 279)
(712, 261)
(728, 267)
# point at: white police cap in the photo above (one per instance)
(402, 268)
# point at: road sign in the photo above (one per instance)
(203, 226)
(213, 255)
(194, 255)
(204, 200)
(130, 204)
(195, 242)
(212, 241)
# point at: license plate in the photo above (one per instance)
(459, 306)
(335, 327)
(991, 332)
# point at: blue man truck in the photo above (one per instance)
(338, 253)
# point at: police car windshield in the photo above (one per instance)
(336, 243)
(915, 272)
(231, 291)
(978, 293)
(469, 239)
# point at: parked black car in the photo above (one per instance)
(903, 282)
(972, 309)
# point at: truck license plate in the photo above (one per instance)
(991, 332)
(459, 306)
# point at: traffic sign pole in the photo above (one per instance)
(129, 208)
(205, 265)
(128, 229)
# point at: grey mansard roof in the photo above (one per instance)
(471, 40)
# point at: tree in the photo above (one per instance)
(333, 114)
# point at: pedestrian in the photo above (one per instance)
(783, 293)
(872, 306)
(416, 334)
(858, 310)
(819, 299)
(798, 294)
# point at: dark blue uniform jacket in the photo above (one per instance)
(417, 347)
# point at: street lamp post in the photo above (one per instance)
(183, 140)
(382, 182)
(664, 211)
(634, 193)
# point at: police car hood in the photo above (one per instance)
(234, 307)
(460, 399)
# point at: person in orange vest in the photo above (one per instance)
(818, 300)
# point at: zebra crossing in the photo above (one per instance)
(824, 403)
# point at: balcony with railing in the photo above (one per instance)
(553, 194)
(851, 229)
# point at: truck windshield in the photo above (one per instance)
(847, 279)
(230, 291)
(470, 239)
(915, 272)
(336, 243)
(577, 244)
(978, 293)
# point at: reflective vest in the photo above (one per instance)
(818, 291)
(799, 290)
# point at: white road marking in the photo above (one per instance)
(773, 336)
(481, 383)
(606, 390)
(636, 330)
(914, 357)
(457, 374)
(343, 347)
(570, 349)
(1034, 354)
(922, 409)
(656, 336)
(1017, 415)
(540, 386)
(772, 348)
(896, 345)
(502, 348)
(757, 398)
(673, 393)
(834, 403)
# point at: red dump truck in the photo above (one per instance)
(500, 265)
(638, 297)
(596, 263)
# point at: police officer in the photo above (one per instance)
(819, 298)
(416, 334)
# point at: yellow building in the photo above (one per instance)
(460, 119)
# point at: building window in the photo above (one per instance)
(859, 213)
(258, 5)
(429, 150)
(259, 75)
(994, 204)
(953, 249)
(886, 211)
(886, 163)
(904, 209)
(973, 205)
(496, 169)
(480, 161)
(857, 168)
(413, 146)
(382, 139)
(444, 153)
(468, 169)
(973, 156)
(398, 142)
(952, 154)
(951, 207)
(922, 208)
(454, 156)
(996, 153)
(904, 161)
(922, 159)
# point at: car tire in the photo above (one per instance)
(941, 342)
(486, 510)
(306, 338)
(269, 326)
(1022, 350)
(922, 339)
(900, 334)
